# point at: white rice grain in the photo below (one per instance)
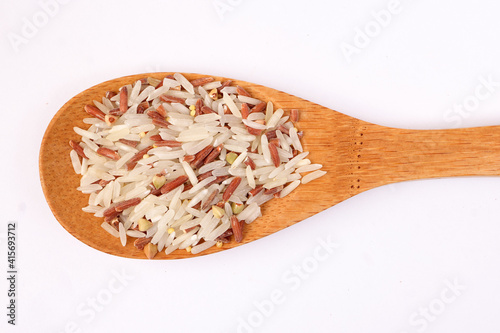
(211, 166)
(230, 104)
(106, 226)
(189, 172)
(211, 85)
(202, 247)
(221, 171)
(221, 138)
(91, 209)
(75, 161)
(313, 175)
(89, 188)
(141, 128)
(194, 147)
(218, 231)
(184, 82)
(308, 168)
(305, 161)
(236, 148)
(275, 183)
(247, 211)
(123, 234)
(171, 248)
(254, 124)
(269, 110)
(124, 159)
(295, 139)
(241, 157)
(132, 96)
(158, 92)
(162, 241)
(143, 95)
(102, 107)
(192, 135)
(289, 188)
(170, 83)
(250, 176)
(229, 90)
(248, 100)
(170, 155)
(273, 120)
(107, 194)
(135, 234)
(276, 171)
(205, 118)
(90, 143)
(265, 148)
(295, 160)
(86, 134)
(256, 116)
(202, 184)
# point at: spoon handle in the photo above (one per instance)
(388, 155)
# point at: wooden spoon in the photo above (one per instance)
(357, 155)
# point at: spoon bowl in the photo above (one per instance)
(357, 156)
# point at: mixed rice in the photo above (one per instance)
(178, 164)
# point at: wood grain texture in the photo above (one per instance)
(357, 155)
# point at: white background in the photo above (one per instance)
(399, 247)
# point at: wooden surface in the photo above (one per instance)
(357, 155)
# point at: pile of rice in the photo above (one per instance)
(178, 164)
